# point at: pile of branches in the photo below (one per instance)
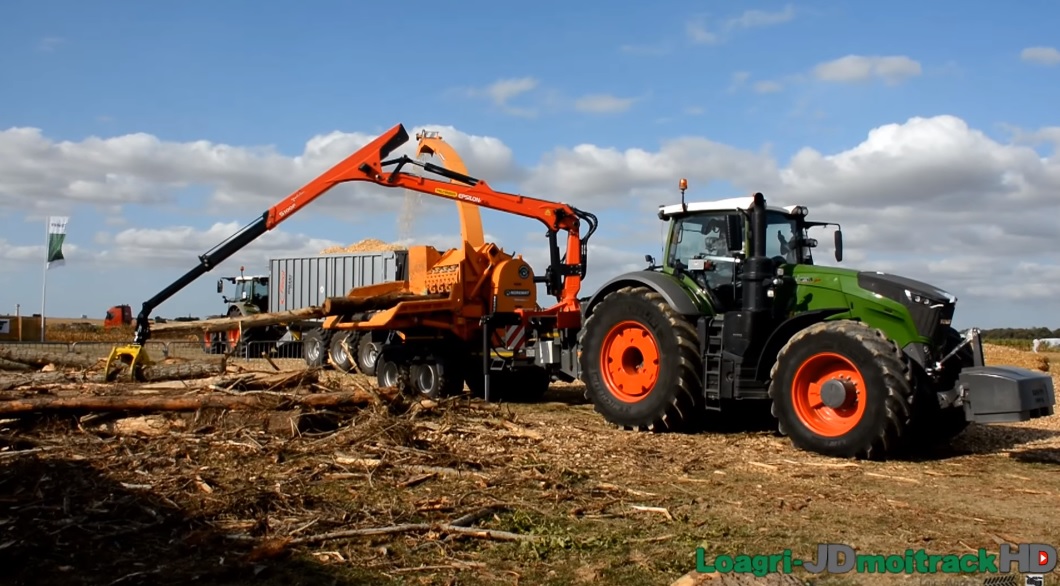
(35, 381)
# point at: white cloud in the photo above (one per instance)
(603, 104)
(698, 33)
(174, 246)
(1041, 55)
(37, 173)
(768, 87)
(761, 18)
(929, 197)
(946, 195)
(646, 50)
(50, 44)
(855, 68)
(21, 254)
(503, 91)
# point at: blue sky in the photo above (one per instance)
(223, 95)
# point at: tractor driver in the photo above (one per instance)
(716, 249)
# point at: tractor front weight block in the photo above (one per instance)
(1003, 394)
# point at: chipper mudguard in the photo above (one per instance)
(1001, 394)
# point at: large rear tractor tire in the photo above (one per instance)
(843, 389)
(640, 362)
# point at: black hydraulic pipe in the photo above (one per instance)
(486, 333)
(450, 174)
(207, 262)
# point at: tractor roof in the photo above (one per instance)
(733, 203)
(250, 278)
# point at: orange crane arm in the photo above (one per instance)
(562, 279)
(430, 143)
(564, 275)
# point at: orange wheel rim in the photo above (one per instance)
(828, 393)
(630, 361)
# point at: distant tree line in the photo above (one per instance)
(1002, 334)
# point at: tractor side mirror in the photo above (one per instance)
(838, 245)
(734, 232)
(220, 286)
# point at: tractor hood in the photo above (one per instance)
(930, 307)
(903, 288)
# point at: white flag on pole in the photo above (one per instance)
(56, 236)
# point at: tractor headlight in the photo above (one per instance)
(918, 297)
(800, 211)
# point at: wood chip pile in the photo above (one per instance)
(366, 245)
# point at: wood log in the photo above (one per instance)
(138, 403)
(153, 373)
(351, 305)
(32, 379)
(181, 371)
(38, 357)
(223, 324)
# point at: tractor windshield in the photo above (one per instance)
(251, 290)
(703, 235)
(783, 233)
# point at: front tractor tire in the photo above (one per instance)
(843, 389)
(640, 362)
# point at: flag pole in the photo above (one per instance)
(44, 286)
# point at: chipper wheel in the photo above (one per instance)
(315, 345)
(843, 389)
(640, 362)
(367, 354)
(339, 351)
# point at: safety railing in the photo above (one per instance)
(161, 349)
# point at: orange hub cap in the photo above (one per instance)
(828, 394)
(630, 361)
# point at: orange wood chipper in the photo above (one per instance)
(469, 314)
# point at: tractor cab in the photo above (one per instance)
(251, 293)
(708, 241)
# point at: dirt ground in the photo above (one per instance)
(544, 494)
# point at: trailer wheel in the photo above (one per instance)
(315, 347)
(436, 379)
(843, 389)
(338, 352)
(392, 374)
(367, 354)
(640, 362)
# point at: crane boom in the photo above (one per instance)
(562, 279)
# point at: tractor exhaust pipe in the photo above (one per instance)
(758, 269)
(754, 320)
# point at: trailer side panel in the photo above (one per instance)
(299, 282)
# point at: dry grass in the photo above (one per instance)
(79, 331)
(215, 498)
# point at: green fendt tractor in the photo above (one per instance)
(854, 363)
